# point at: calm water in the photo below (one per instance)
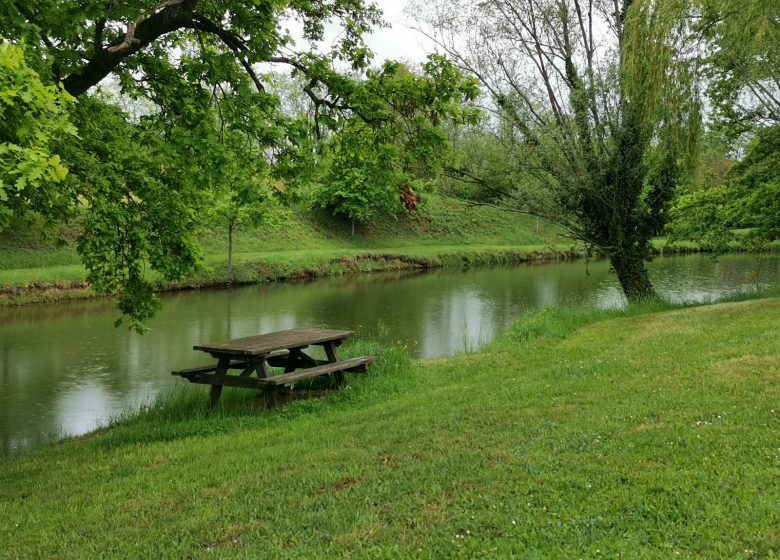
(64, 368)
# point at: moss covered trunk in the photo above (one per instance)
(632, 274)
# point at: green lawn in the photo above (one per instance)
(579, 434)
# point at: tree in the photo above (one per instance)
(748, 198)
(83, 42)
(142, 182)
(243, 196)
(742, 66)
(757, 177)
(379, 166)
(743, 72)
(595, 110)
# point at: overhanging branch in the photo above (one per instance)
(166, 17)
(233, 41)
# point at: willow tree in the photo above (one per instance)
(595, 112)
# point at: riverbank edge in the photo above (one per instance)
(544, 326)
(274, 268)
(269, 269)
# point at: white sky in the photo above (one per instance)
(398, 42)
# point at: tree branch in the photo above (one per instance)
(129, 39)
(233, 41)
(174, 14)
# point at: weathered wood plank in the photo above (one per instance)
(227, 381)
(266, 343)
(195, 371)
(353, 364)
(207, 369)
(279, 355)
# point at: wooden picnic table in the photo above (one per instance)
(254, 354)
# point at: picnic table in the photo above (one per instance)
(283, 349)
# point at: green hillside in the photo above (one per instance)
(40, 265)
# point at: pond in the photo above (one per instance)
(64, 369)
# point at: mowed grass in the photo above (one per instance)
(645, 433)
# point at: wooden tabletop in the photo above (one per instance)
(266, 343)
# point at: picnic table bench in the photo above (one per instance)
(284, 349)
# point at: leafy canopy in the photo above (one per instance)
(189, 70)
(742, 64)
(743, 71)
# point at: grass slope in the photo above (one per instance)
(578, 434)
(296, 243)
(28, 245)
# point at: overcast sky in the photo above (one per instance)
(397, 42)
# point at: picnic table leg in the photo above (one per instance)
(330, 351)
(216, 390)
(292, 361)
(272, 397)
(296, 359)
(262, 368)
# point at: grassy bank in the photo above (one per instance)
(298, 244)
(648, 433)
(306, 243)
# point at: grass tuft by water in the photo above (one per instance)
(182, 412)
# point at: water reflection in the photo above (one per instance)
(65, 369)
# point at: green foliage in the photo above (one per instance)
(141, 203)
(704, 215)
(241, 195)
(743, 70)
(757, 179)
(203, 125)
(244, 197)
(33, 117)
(400, 145)
(750, 198)
(362, 180)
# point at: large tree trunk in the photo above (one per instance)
(630, 268)
(628, 231)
